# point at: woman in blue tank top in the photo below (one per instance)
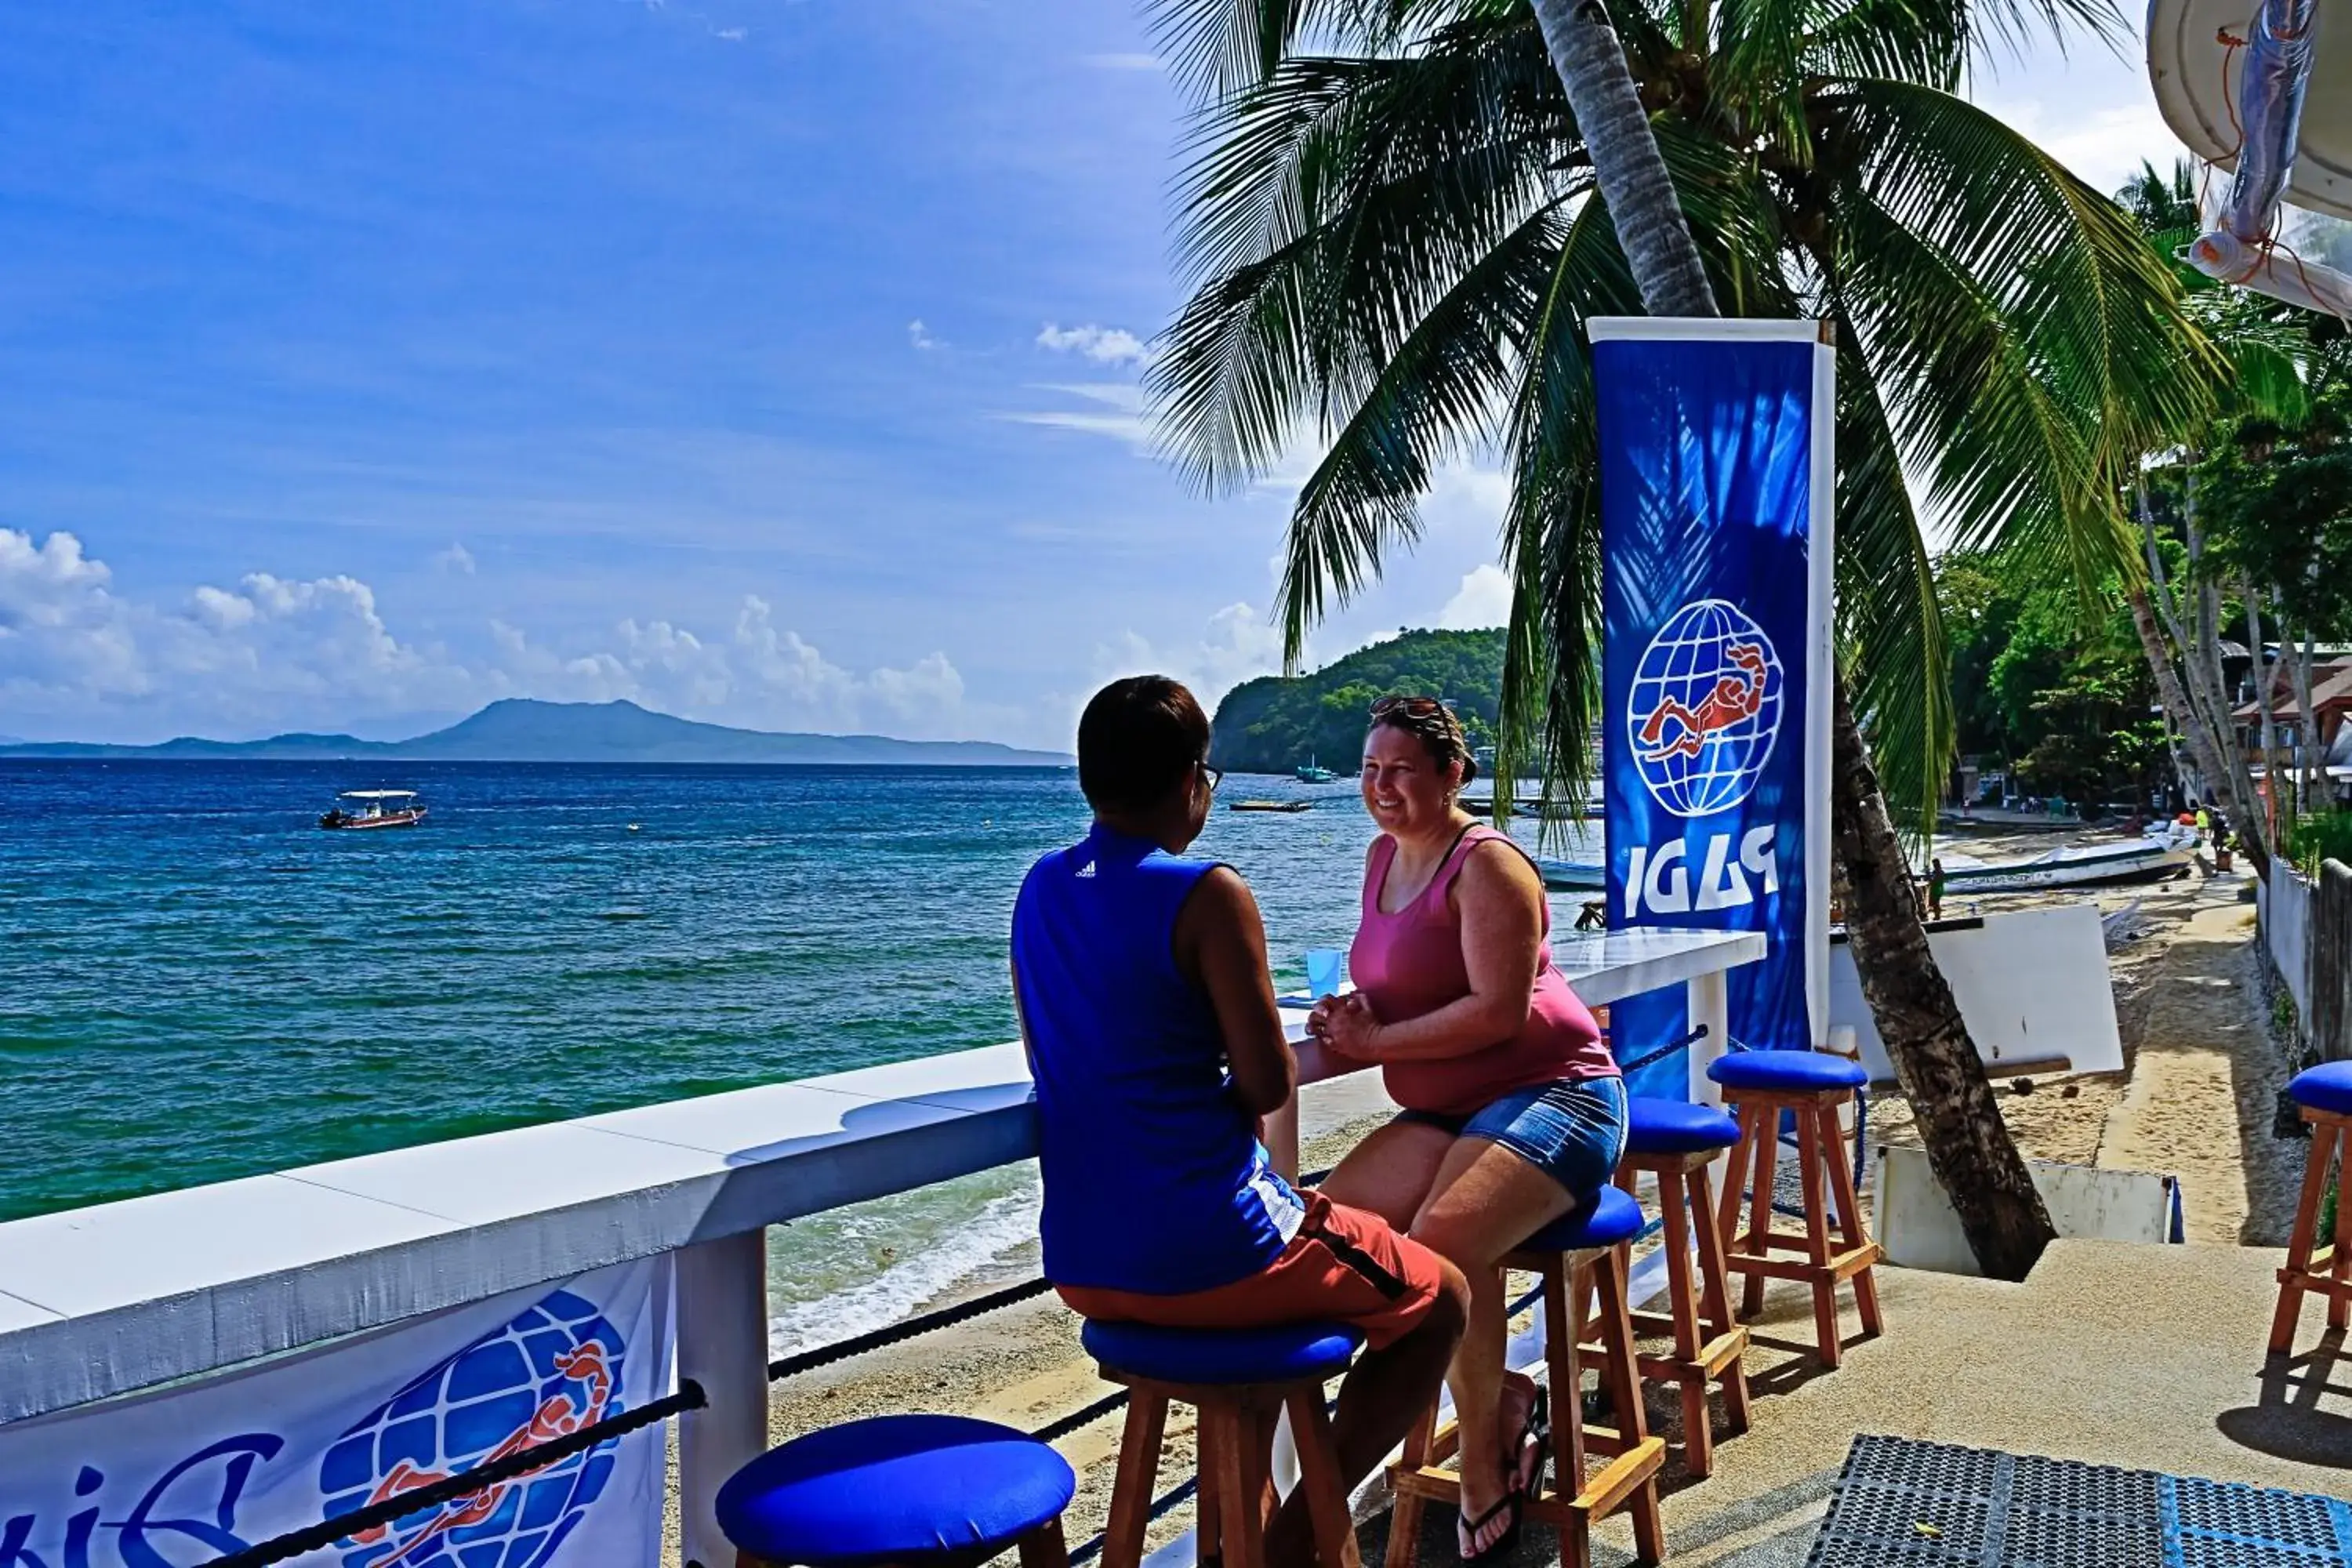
(1141, 981)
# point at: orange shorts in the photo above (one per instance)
(1344, 1265)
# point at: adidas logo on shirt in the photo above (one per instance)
(1088, 869)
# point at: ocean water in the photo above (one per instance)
(196, 983)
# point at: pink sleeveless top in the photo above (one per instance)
(1409, 963)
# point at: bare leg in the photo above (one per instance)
(1486, 1200)
(1390, 1173)
(1386, 1392)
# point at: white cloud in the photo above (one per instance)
(1483, 600)
(1236, 644)
(1104, 345)
(920, 336)
(78, 660)
(456, 561)
(1126, 421)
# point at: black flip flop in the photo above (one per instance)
(1465, 1529)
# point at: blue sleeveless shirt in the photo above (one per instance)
(1155, 1182)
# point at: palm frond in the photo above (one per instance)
(2028, 343)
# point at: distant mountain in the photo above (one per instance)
(520, 730)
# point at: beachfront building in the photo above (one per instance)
(2323, 735)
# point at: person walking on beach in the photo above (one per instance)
(1935, 888)
(1141, 979)
(1514, 1111)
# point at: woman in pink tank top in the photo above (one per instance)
(1513, 1112)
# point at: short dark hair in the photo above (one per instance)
(1432, 723)
(1136, 741)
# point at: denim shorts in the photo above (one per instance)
(1573, 1131)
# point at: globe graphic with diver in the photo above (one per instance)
(1704, 708)
(553, 1369)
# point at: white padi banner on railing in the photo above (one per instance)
(190, 1474)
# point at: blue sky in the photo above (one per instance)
(771, 361)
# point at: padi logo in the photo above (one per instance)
(553, 1370)
(1678, 879)
(1704, 708)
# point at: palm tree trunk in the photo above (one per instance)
(1643, 203)
(2175, 700)
(1969, 1145)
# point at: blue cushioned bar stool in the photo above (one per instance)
(936, 1490)
(1810, 1086)
(1677, 1144)
(1582, 1262)
(2325, 1095)
(1240, 1381)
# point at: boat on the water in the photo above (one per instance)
(1270, 805)
(2154, 858)
(355, 808)
(1310, 772)
(1573, 876)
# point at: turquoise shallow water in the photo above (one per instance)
(196, 983)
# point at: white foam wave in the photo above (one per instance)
(1001, 1224)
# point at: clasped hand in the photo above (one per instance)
(1347, 1024)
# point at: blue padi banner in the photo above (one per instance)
(1717, 465)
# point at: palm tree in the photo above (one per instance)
(1399, 219)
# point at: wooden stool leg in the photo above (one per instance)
(1810, 1156)
(1682, 1302)
(1043, 1546)
(1564, 1326)
(1715, 1299)
(1735, 1173)
(1318, 1477)
(1139, 1473)
(1208, 1503)
(1849, 1206)
(1759, 1214)
(1238, 1486)
(1404, 1515)
(1624, 1380)
(2299, 1244)
(2339, 1309)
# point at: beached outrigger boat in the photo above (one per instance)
(374, 808)
(1573, 876)
(2150, 859)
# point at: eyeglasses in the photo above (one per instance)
(1215, 775)
(1412, 707)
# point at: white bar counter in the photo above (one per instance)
(103, 1301)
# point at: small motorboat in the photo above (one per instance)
(356, 808)
(1310, 772)
(1270, 805)
(2158, 857)
(1573, 876)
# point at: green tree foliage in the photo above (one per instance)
(1396, 242)
(2277, 496)
(2048, 682)
(1272, 724)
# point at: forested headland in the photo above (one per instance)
(1272, 724)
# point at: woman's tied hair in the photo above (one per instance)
(1432, 723)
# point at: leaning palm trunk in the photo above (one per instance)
(1969, 1145)
(2194, 734)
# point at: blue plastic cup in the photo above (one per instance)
(1323, 971)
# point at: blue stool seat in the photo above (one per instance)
(893, 1487)
(1676, 1127)
(2327, 1086)
(1790, 1072)
(1285, 1353)
(1615, 1217)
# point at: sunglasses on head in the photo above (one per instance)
(1412, 707)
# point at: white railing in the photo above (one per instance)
(2285, 913)
(100, 1302)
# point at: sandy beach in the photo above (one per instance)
(2196, 1098)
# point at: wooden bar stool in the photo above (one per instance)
(2325, 1095)
(1240, 1381)
(1579, 1259)
(1811, 1086)
(941, 1492)
(1677, 1142)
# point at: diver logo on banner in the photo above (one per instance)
(1706, 709)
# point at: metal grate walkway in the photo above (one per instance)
(1905, 1504)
